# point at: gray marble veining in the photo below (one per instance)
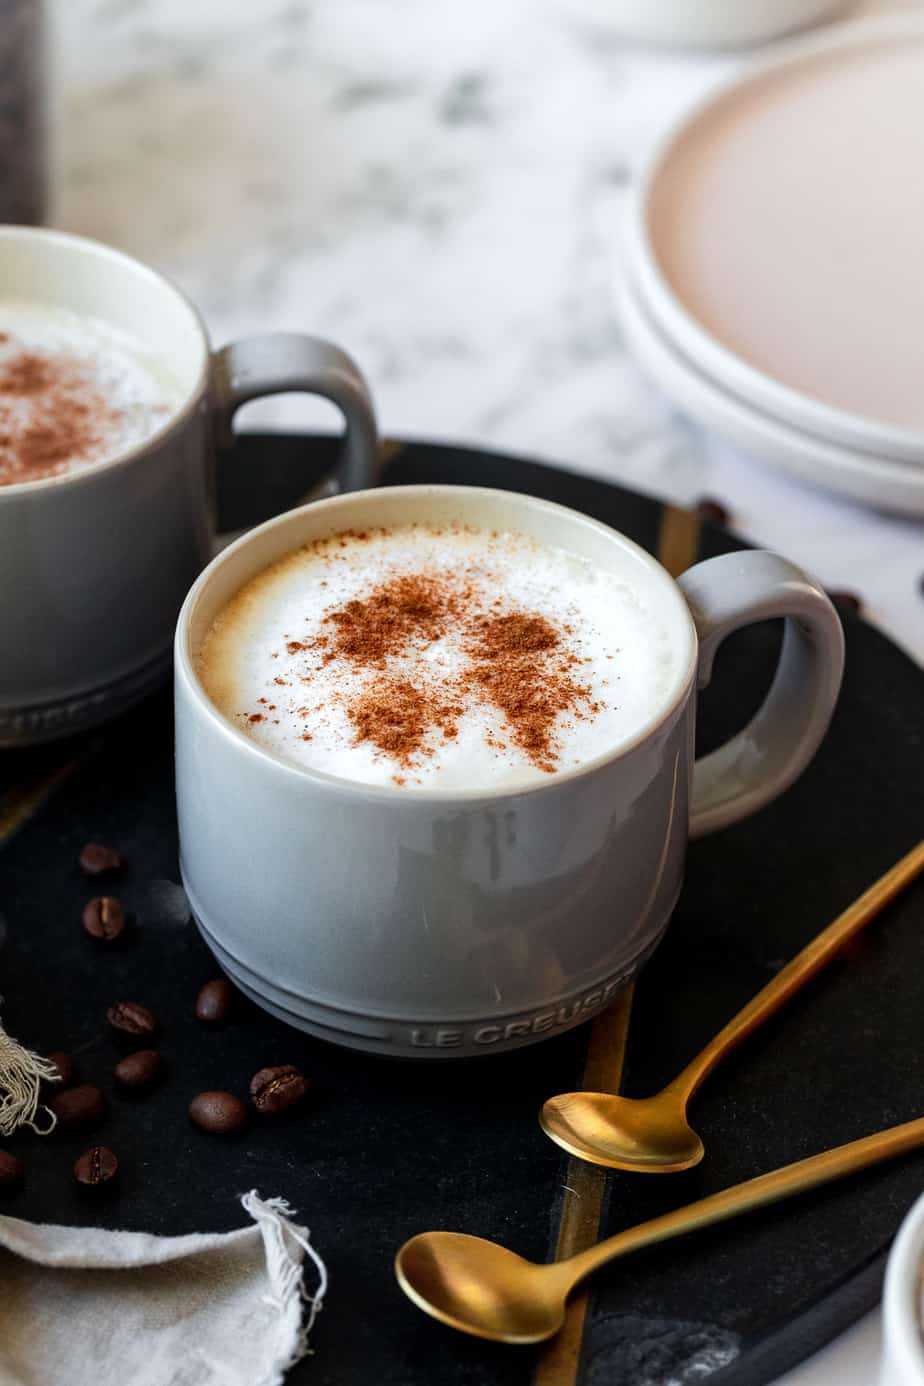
(439, 188)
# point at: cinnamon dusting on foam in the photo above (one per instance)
(69, 395)
(516, 660)
(411, 648)
(51, 414)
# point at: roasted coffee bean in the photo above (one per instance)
(215, 1001)
(275, 1089)
(12, 1171)
(140, 1070)
(65, 1067)
(96, 1167)
(712, 511)
(219, 1113)
(78, 1107)
(131, 1018)
(104, 918)
(97, 860)
(847, 601)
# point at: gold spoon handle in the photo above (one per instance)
(799, 971)
(766, 1188)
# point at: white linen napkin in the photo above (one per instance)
(91, 1307)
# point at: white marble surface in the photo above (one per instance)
(438, 188)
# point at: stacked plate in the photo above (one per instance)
(773, 279)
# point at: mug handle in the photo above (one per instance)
(283, 362)
(764, 758)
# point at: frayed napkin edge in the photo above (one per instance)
(283, 1240)
(285, 1269)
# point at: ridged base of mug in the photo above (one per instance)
(427, 1038)
(54, 720)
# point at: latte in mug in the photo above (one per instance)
(74, 391)
(443, 656)
(115, 415)
(435, 757)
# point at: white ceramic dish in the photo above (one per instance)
(676, 181)
(885, 484)
(902, 1302)
(706, 23)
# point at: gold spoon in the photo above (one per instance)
(484, 1289)
(651, 1135)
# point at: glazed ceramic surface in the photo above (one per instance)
(878, 481)
(716, 330)
(706, 23)
(95, 565)
(426, 922)
(903, 1305)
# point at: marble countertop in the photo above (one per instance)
(442, 198)
(438, 188)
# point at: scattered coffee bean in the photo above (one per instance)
(104, 918)
(712, 511)
(12, 1171)
(97, 860)
(65, 1066)
(96, 1167)
(139, 1071)
(131, 1018)
(215, 1001)
(275, 1089)
(219, 1113)
(846, 601)
(78, 1107)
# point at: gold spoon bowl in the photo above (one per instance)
(480, 1288)
(652, 1134)
(487, 1291)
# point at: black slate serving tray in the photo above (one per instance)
(388, 1148)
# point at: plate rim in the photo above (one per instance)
(828, 422)
(890, 486)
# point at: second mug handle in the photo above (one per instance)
(777, 744)
(286, 362)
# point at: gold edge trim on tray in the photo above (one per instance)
(585, 1184)
(678, 539)
(391, 447)
(23, 801)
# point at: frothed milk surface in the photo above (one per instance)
(445, 657)
(73, 392)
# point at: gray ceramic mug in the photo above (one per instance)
(430, 922)
(95, 565)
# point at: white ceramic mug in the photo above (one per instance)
(903, 1305)
(95, 565)
(435, 922)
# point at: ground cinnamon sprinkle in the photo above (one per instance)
(515, 633)
(397, 717)
(517, 661)
(51, 414)
(522, 669)
(396, 613)
(412, 661)
(26, 374)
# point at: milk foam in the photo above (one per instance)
(268, 665)
(126, 390)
